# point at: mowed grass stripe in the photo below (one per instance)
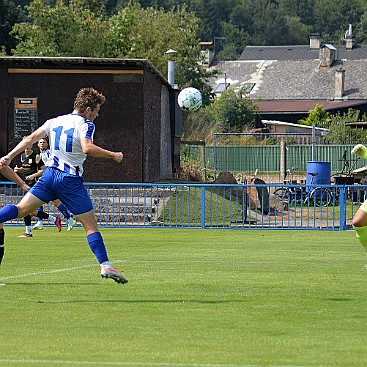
(194, 297)
(48, 362)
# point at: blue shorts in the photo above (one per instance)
(55, 184)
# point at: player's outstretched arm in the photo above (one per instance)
(26, 142)
(12, 176)
(95, 151)
(360, 150)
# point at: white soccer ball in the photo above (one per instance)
(189, 99)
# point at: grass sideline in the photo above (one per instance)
(203, 298)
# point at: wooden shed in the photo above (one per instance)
(141, 117)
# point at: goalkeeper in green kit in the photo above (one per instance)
(360, 218)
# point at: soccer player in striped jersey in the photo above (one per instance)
(70, 221)
(30, 169)
(71, 140)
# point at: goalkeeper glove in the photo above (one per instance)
(360, 150)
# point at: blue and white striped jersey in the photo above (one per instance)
(45, 156)
(64, 134)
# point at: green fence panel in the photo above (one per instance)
(246, 158)
(267, 158)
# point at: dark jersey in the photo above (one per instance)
(31, 164)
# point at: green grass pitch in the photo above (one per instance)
(201, 298)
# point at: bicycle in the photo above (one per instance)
(294, 194)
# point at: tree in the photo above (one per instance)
(303, 9)
(9, 15)
(270, 28)
(211, 13)
(149, 33)
(135, 32)
(360, 31)
(235, 41)
(233, 110)
(334, 17)
(82, 28)
(72, 29)
(339, 133)
(317, 116)
(298, 33)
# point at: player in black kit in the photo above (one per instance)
(31, 164)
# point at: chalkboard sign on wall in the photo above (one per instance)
(25, 116)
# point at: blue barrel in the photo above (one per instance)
(323, 170)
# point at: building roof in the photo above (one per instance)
(294, 80)
(80, 63)
(299, 52)
(289, 89)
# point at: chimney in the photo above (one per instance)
(207, 53)
(339, 83)
(327, 55)
(349, 40)
(315, 41)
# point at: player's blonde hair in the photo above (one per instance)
(88, 97)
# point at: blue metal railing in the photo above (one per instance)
(236, 206)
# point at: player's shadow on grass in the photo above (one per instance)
(340, 299)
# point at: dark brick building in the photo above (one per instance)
(140, 118)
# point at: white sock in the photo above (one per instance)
(106, 264)
(28, 229)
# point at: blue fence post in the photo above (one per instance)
(162, 205)
(203, 208)
(215, 155)
(342, 209)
